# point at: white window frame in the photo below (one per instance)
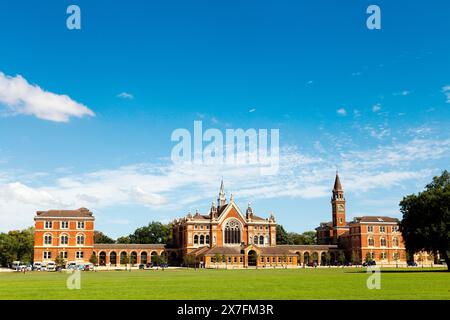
(81, 223)
(64, 225)
(48, 227)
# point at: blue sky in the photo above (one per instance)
(375, 104)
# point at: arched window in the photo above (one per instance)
(395, 242)
(64, 239)
(255, 240)
(370, 242)
(261, 240)
(232, 232)
(383, 242)
(266, 240)
(202, 239)
(195, 239)
(80, 239)
(48, 239)
(207, 239)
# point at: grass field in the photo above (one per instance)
(229, 284)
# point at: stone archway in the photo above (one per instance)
(252, 258)
(102, 258)
(144, 257)
(133, 258)
(113, 258)
(306, 258)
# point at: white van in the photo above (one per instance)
(51, 266)
(15, 265)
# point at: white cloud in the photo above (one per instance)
(376, 107)
(402, 93)
(341, 112)
(125, 95)
(20, 97)
(252, 110)
(446, 91)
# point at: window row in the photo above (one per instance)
(260, 240)
(382, 229)
(201, 227)
(383, 242)
(63, 224)
(64, 239)
(47, 255)
(201, 239)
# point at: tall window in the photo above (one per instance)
(64, 239)
(395, 242)
(202, 239)
(195, 239)
(48, 239)
(255, 240)
(64, 224)
(207, 239)
(80, 239)
(47, 255)
(370, 229)
(261, 240)
(80, 225)
(48, 225)
(383, 229)
(383, 242)
(232, 232)
(370, 242)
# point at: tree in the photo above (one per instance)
(189, 260)
(310, 237)
(217, 257)
(368, 259)
(17, 246)
(341, 258)
(123, 240)
(59, 261)
(100, 237)
(327, 258)
(93, 259)
(426, 218)
(282, 235)
(355, 258)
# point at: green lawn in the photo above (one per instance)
(229, 284)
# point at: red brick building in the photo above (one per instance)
(375, 236)
(68, 233)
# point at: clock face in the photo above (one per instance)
(341, 207)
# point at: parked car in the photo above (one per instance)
(51, 266)
(370, 263)
(37, 266)
(141, 266)
(15, 265)
(71, 265)
(88, 267)
(412, 264)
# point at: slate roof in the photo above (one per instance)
(82, 212)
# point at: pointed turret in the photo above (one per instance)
(249, 213)
(222, 200)
(337, 183)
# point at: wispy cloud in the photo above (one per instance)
(341, 112)
(125, 95)
(165, 186)
(446, 91)
(21, 97)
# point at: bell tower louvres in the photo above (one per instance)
(338, 207)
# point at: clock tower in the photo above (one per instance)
(338, 208)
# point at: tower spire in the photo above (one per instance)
(222, 200)
(337, 183)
